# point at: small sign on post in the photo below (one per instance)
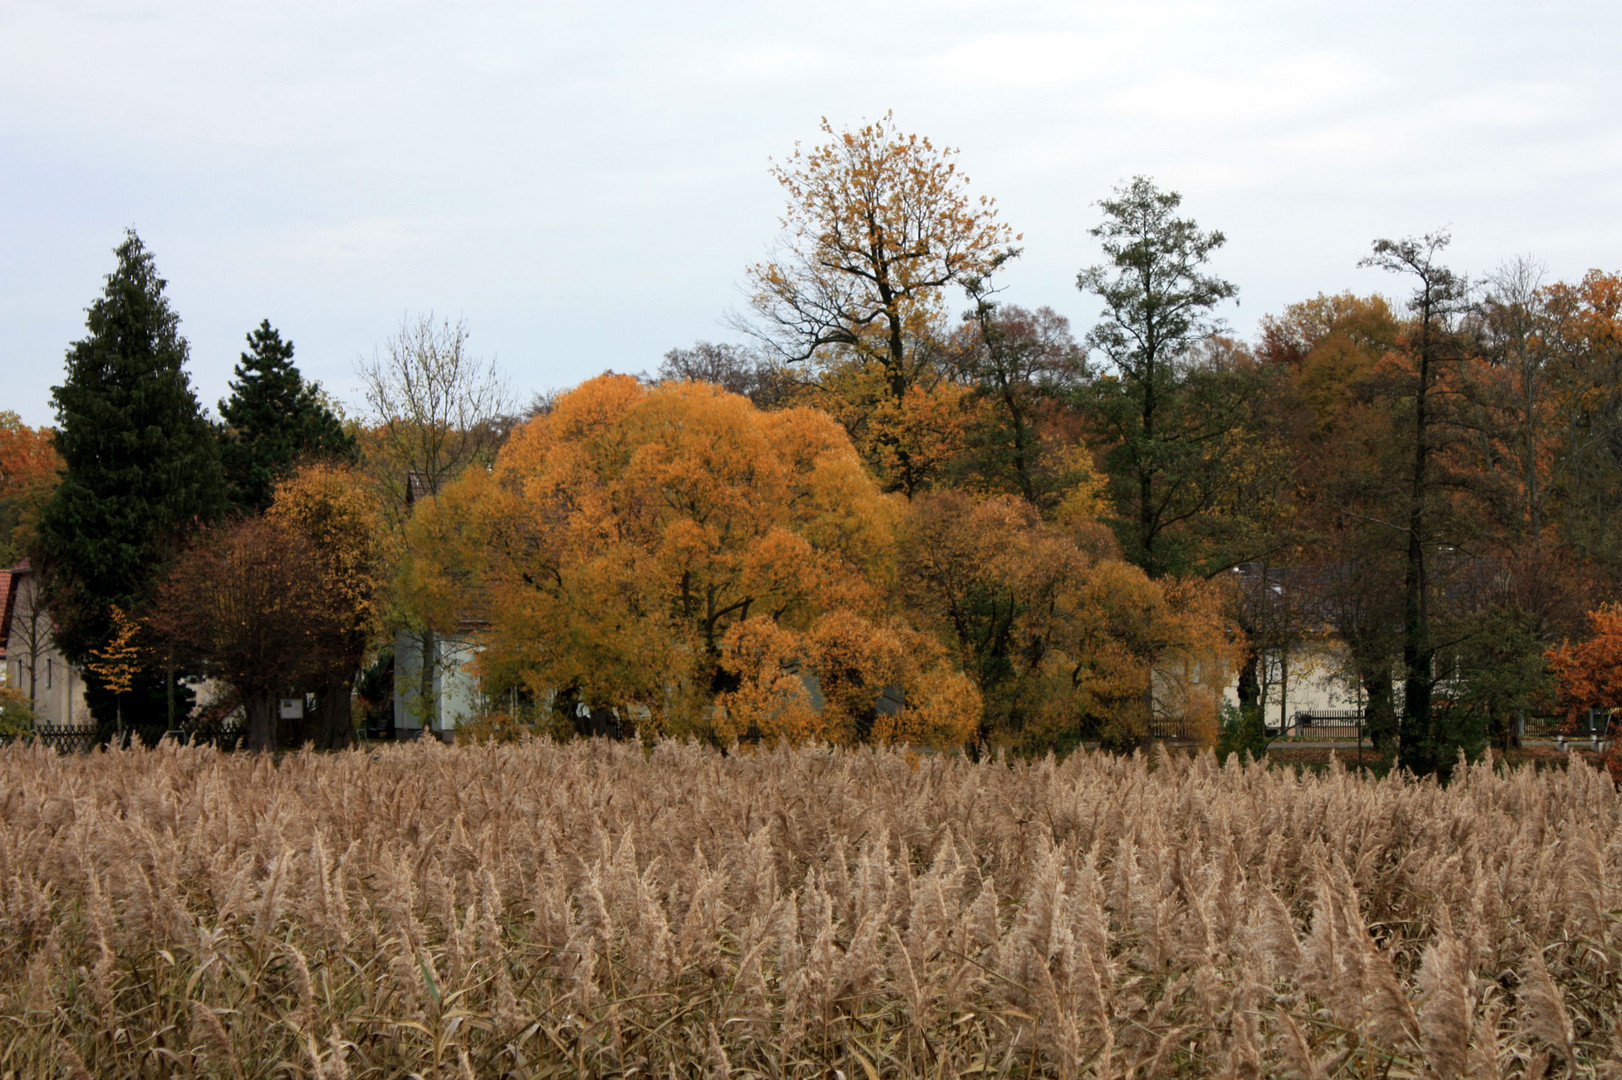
(292, 708)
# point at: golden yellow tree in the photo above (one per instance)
(846, 679)
(619, 537)
(1064, 639)
(119, 660)
(879, 225)
(336, 510)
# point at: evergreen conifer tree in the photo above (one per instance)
(273, 419)
(141, 469)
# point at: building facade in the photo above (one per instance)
(32, 664)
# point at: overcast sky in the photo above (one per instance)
(586, 182)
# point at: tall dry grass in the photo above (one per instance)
(541, 910)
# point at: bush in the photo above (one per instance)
(17, 716)
(1242, 732)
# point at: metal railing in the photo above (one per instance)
(1327, 724)
(1171, 727)
(225, 733)
(64, 738)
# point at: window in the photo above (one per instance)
(50, 663)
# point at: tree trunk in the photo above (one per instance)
(1250, 683)
(427, 699)
(261, 725)
(1147, 533)
(1418, 752)
(1380, 710)
(334, 711)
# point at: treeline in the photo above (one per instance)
(905, 509)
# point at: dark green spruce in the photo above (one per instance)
(142, 470)
(273, 420)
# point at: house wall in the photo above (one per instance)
(460, 697)
(1310, 678)
(57, 688)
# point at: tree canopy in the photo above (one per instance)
(272, 420)
(879, 226)
(30, 468)
(1170, 412)
(629, 544)
(140, 470)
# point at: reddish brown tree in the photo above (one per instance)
(244, 605)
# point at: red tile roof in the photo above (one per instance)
(5, 611)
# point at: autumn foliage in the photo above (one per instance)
(736, 574)
(339, 519)
(29, 470)
(621, 538)
(1061, 635)
(909, 511)
(879, 230)
(1588, 673)
(243, 604)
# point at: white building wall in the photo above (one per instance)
(1310, 678)
(57, 688)
(458, 691)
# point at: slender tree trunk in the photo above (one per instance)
(1417, 752)
(1249, 688)
(1379, 709)
(1283, 687)
(427, 697)
(1146, 483)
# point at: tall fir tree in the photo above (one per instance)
(141, 469)
(273, 420)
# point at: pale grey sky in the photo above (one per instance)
(586, 182)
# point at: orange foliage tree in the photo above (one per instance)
(29, 470)
(879, 225)
(875, 680)
(665, 546)
(1589, 673)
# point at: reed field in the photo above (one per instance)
(592, 909)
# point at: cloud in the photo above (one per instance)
(1027, 60)
(1183, 95)
(365, 241)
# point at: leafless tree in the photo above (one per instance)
(437, 409)
(30, 630)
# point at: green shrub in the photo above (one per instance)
(16, 714)
(1242, 732)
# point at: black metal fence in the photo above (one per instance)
(1327, 724)
(76, 739)
(225, 734)
(63, 738)
(1171, 727)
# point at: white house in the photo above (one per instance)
(457, 696)
(29, 659)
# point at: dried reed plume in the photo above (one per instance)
(601, 909)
